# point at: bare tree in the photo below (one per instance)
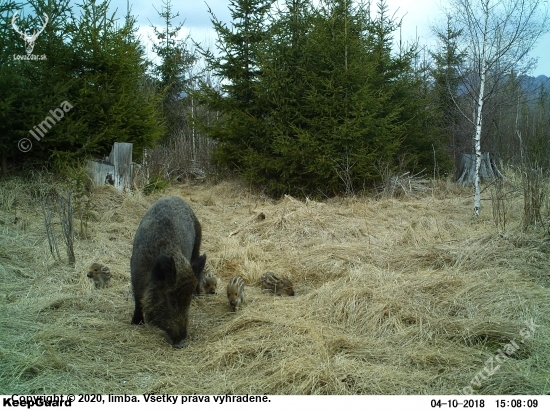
(498, 36)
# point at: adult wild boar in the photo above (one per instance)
(166, 267)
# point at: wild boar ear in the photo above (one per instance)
(198, 264)
(164, 269)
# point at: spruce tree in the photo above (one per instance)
(405, 106)
(14, 87)
(173, 73)
(334, 111)
(39, 85)
(110, 99)
(318, 100)
(448, 60)
(239, 128)
(88, 93)
(274, 161)
(335, 134)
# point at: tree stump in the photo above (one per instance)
(467, 168)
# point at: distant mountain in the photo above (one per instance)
(533, 85)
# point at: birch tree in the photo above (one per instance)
(498, 35)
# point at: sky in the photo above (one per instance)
(418, 16)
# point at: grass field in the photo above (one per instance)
(393, 296)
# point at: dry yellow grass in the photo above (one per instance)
(408, 296)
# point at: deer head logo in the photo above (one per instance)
(29, 40)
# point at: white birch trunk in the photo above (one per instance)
(479, 115)
(477, 144)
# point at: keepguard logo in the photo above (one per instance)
(29, 39)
